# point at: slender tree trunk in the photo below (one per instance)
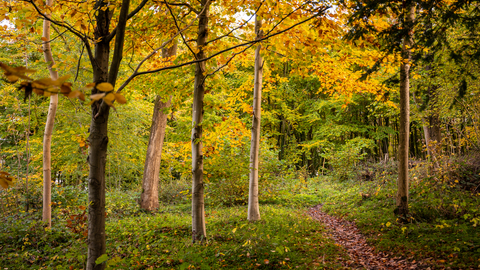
(99, 127)
(149, 196)
(253, 207)
(47, 136)
(198, 208)
(403, 181)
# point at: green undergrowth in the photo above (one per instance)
(285, 238)
(443, 228)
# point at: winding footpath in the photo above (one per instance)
(362, 256)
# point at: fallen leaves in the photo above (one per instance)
(347, 235)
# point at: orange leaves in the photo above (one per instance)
(15, 73)
(6, 180)
(48, 86)
(44, 87)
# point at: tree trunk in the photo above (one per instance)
(98, 138)
(253, 207)
(149, 196)
(403, 181)
(47, 136)
(198, 208)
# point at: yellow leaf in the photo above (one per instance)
(105, 87)
(62, 79)
(77, 94)
(12, 78)
(5, 180)
(3, 183)
(97, 96)
(120, 98)
(109, 98)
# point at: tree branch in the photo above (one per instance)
(72, 30)
(180, 4)
(136, 73)
(243, 24)
(78, 64)
(178, 28)
(130, 15)
(119, 41)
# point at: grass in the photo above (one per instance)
(443, 228)
(285, 238)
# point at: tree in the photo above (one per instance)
(47, 137)
(149, 196)
(198, 208)
(403, 180)
(105, 70)
(253, 207)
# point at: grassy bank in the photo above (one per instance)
(285, 238)
(443, 227)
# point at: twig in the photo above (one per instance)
(240, 26)
(178, 28)
(78, 64)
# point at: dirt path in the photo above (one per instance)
(362, 256)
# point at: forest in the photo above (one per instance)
(249, 134)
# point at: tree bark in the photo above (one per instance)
(47, 136)
(198, 208)
(253, 207)
(98, 137)
(149, 196)
(404, 129)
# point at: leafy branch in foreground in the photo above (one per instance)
(47, 87)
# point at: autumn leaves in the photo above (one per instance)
(47, 86)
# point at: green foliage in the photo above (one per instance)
(345, 158)
(283, 239)
(227, 175)
(443, 218)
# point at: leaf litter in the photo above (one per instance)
(361, 254)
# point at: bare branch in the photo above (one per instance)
(78, 64)
(48, 41)
(226, 64)
(180, 4)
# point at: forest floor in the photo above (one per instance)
(361, 254)
(314, 223)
